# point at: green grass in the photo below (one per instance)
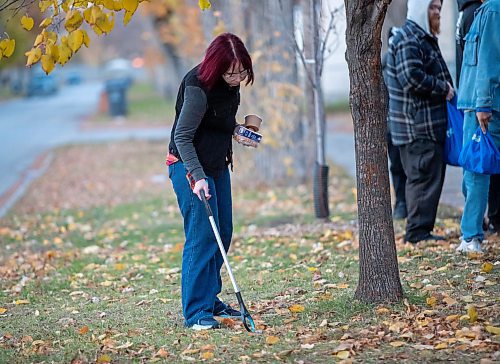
(120, 300)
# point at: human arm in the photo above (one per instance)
(487, 77)
(411, 74)
(192, 112)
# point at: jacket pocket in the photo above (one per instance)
(470, 51)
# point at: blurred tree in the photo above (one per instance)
(379, 274)
(178, 26)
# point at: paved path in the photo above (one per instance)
(340, 149)
(30, 128)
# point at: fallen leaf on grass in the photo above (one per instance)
(22, 302)
(162, 353)
(493, 330)
(450, 301)
(441, 346)
(103, 359)
(2, 310)
(431, 301)
(296, 308)
(487, 267)
(271, 340)
(397, 344)
(343, 354)
(83, 330)
(472, 313)
(207, 355)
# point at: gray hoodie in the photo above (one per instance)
(418, 12)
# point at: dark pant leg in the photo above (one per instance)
(423, 164)
(397, 172)
(494, 201)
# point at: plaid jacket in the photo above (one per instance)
(416, 77)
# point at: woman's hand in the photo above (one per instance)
(202, 184)
(247, 142)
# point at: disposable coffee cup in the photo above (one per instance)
(252, 122)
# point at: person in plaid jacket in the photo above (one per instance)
(419, 84)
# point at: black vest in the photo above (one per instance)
(213, 139)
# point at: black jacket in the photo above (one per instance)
(467, 9)
(212, 139)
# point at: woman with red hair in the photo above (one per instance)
(201, 149)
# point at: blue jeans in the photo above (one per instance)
(201, 259)
(475, 186)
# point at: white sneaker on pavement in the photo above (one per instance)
(473, 245)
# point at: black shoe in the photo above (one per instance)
(228, 312)
(400, 211)
(206, 323)
(425, 237)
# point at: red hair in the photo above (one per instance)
(224, 51)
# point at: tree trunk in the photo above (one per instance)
(379, 274)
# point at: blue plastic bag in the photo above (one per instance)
(480, 154)
(454, 134)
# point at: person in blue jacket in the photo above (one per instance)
(479, 97)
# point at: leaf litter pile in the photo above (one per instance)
(90, 272)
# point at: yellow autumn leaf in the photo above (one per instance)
(50, 36)
(108, 23)
(2, 310)
(344, 354)
(441, 346)
(109, 4)
(22, 302)
(127, 17)
(33, 56)
(74, 20)
(53, 51)
(431, 301)
(117, 5)
(27, 22)
(86, 38)
(493, 330)
(296, 308)
(45, 23)
(44, 5)
(207, 355)
(397, 344)
(119, 266)
(47, 63)
(204, 4)
(486, 267)
(38, 40)
(472, 313)
(271, 340)
(451, 318)
(65, 54)
(103, 359)
(130, 5)
(7, 47)
(75, 40)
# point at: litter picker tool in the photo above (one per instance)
(245, 315)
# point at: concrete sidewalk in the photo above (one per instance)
(340, 149)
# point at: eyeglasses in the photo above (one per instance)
(236, 75)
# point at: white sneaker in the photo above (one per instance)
(473, 245)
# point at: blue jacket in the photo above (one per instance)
(480, 76)
(417, 81)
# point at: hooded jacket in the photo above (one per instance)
(417, 80)
(480, 76)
